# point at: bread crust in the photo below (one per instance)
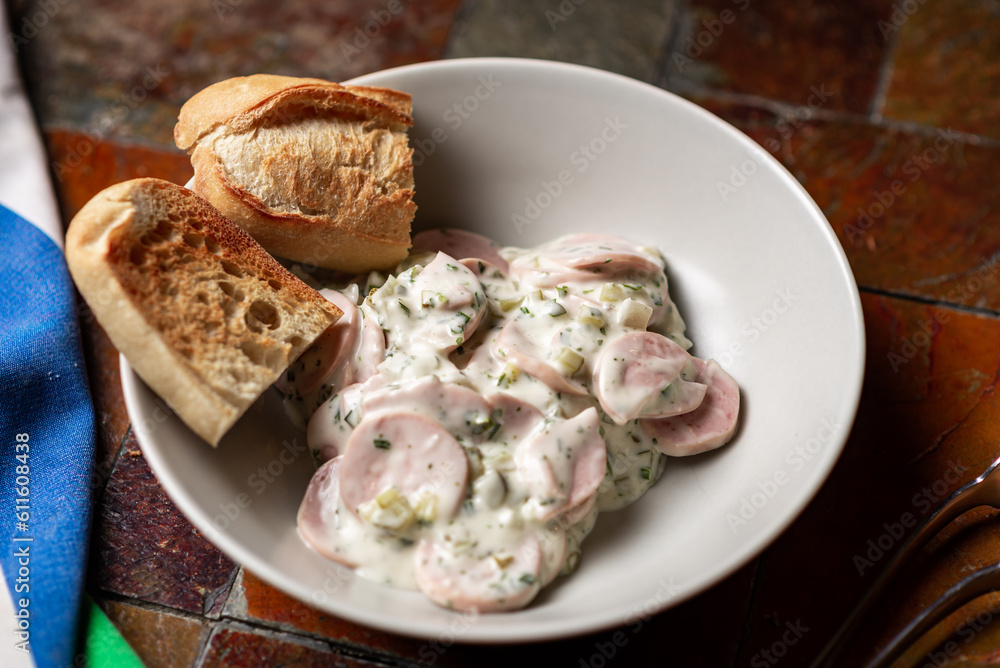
(368, 229)
(203, 314)
(242, 103)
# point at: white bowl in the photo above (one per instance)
(524, 151)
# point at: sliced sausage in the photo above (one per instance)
(563, 464)
(458, 409)
(473, 580)
(709, 426)
(590, 251)
(461, 244)
(331, 426)
(554, 545)
(584, 257)
(639, 375)
(370, 351)
(319, 520)
(511, 344)
(454, 304)
(517, 418)
(326, 361)
(408, 452)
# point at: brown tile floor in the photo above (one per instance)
(888, 111)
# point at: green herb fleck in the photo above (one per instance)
(382, 444)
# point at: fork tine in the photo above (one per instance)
(983, 581)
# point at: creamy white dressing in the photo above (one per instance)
(538, 430)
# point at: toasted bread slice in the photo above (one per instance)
(315, 171)
(201, 311)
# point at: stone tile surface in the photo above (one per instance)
(144, 548)
(781, 50)
(831, 89)
(83, 164)
(621, 37)
(638, 641)
(916, 213)
(926, 425)
(243, 648)
(255, 601)
(159, 639)
(123, 71)
(944, 47)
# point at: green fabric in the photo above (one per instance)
(99, 644)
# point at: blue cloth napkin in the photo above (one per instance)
(46, 444)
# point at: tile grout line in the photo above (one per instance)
(787, 109)
(930, 301)
(229, 592)
(255, 627)
(881, 92)
(205, 643)
(151, 606)
(459, 18)
(744, 631)
(661, 67)
(340, 648)
(120, 140)
(661, 80)
(101, 488)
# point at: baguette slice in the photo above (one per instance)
(315, 171)
(200, 310)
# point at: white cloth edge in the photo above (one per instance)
(25, 189)
(25, 184)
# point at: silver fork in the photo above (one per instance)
(984, 490)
